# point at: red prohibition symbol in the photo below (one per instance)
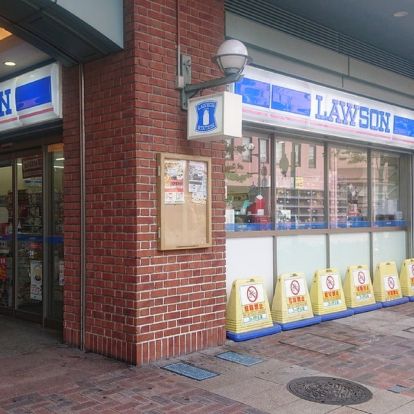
(412, 270)
(391, 282)
(330, 282)
(252, 294)
(361, 277)
(295, 287)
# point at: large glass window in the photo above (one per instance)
(280, 183)
(248, 184)
(348, 187)
(388, 197)
(299, 187)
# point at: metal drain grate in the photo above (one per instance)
(326, 390)
(190, 371)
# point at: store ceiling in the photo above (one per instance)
(370, 21)
(16, 50)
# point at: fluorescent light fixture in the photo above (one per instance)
(4, 33)
(60, 159)
(9, 63)
(401, 13)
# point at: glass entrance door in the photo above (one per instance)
(29, 265)
(31, 235)
(6, 235)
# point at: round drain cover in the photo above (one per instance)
(326, 390)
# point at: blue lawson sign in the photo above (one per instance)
(278, 100)
(206, 116)
(31, 98)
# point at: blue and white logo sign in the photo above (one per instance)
(291, 103)
(214, 117)
(206, 116)
(31, 98)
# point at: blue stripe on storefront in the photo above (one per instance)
(403, 126)
(34, 94)
(291, 100)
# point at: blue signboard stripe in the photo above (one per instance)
(403, 126)
(253, 92)
(34, 94)
(291, 100)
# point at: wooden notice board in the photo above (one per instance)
(184, 201)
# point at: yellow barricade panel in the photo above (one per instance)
(326, 292)
(358, 288)
(407, 277)
(291, 301)
(386, 282)
(248, 308)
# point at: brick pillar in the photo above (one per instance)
(143, 304)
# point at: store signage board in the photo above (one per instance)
(214, 117)
(273, 99)
(31, 98)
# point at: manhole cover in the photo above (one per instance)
(326, 390)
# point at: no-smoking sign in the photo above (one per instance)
(330, 282)
(251, 294)
(391, 282)
(361, 278)
(295, 287)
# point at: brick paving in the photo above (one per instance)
(38, 374)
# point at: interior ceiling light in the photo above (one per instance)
(10, 63)
(4, 33)
(401, 13)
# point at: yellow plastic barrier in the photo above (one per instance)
(291, 305)
(387, 288)
(248, 311)
(358, 290)
(327, 296)
(407, 279)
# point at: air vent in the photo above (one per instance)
(261, 11)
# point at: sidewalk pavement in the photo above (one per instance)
(375, 349)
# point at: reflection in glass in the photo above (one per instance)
(387, 208)
(299, 187)
(247, 173)
(348, 187)
(6, 236)
(29, 283)
(56, 237)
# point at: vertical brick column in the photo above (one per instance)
(143, 304)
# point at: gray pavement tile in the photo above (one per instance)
(383, 402)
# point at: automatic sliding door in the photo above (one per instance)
(29, 280)
(6, 235)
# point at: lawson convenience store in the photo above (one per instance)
(321, 178)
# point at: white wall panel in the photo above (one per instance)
(249, 257)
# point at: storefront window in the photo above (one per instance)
(388, 198)
(299, 187)
(365, 187)
(248, 184)
(348, 188)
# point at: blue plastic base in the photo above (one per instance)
(367, 308)
(410, 298)
(394, 302)
(337, 315)
(245, 336)
(300, 324)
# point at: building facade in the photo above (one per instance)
(78, 190)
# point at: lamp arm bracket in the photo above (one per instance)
(190, 90)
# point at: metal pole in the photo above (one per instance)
(82, 207)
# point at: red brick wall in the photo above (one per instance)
(142, 304)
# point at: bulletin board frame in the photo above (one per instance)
(184, 201)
